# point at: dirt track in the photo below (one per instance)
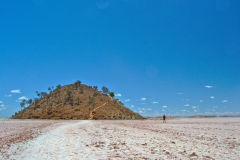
(213, 138)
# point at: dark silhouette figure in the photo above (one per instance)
(164, 118)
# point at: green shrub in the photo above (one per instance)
(111, 94)
(76, 109)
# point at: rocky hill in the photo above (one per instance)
(75, 101)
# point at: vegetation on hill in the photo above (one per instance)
(75, 101)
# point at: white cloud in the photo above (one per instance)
(8, 95)
(155, 102)
(187, 105)
(224, 101)
(201, 101)
(2, 107)
(212, 97)
(143, 99)
(164, 106)
(144, 109)
(141, 112)
(22, 98)
(195, 110)
(118, 95)
(149, 109)
(132, 106)
(127, 100)
(180, 93)
(208, 86)
(1, 102)
(16, 91)
(194, 107)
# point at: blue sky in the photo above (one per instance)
(174, 57)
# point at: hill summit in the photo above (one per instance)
(75, 101)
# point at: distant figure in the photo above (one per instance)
(164, 118)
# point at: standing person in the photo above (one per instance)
(164, 118)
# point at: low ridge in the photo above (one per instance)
(75, 101)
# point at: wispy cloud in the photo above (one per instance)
(8, 95)
(164, 106)
(1, 102)
(212, 97)
(118, 95)
(194, 107)
(208, 86)
(187, 99)
(15, 91)
(2, 107)
(141, 112)
(201, 101)
(143, 99)
(132, 106)
(180, 93)
(187, 105)
(155, 102)
(127, 100)
(224, 101)
(144, 109)
(22, 98)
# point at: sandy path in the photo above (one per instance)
(150, 139)
(91, 114)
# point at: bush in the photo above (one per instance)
(76, 109)
(111, 94)
(95, 88)
(105, 90)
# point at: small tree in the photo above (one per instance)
(105, 90)
(36, 100)
(38, 94)
(78, 100)
(70, 100)
(69, 97)
(24, 101)
(95, 88)
(81, 90)
(22, 104)
(111, 94)
(95, 94)
(69, 93)
(43, 94)
(50, 89)
(90, 100)
(58, 86)
(77, 84)
(29, 101)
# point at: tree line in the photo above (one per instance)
(69, 99)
